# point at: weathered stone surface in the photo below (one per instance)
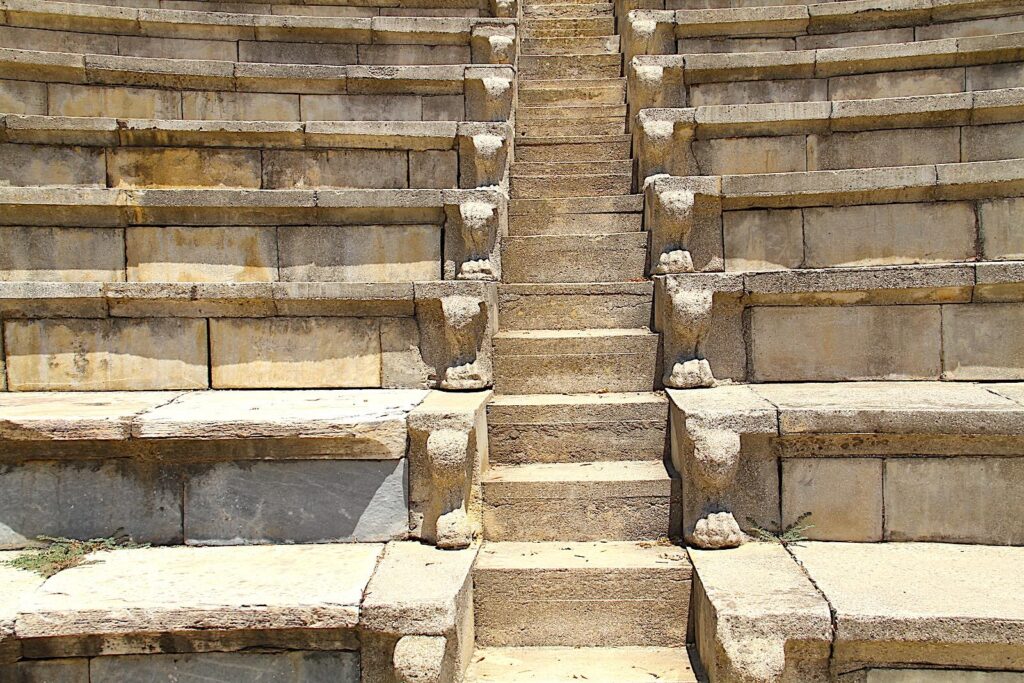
(15, 586)
(978, 341)
(842, 495)
(62, 254)
(569, 664)
(70, 670)
(198, 254)
(60, 416)
(270, 502)
(184, 589)
(283, 667)
(763, 240)
(1002, 237)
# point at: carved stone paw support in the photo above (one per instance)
(661, 141)
(685, 321)
(489, 93)
(717, 531)
(493, 44)
(684, 218)
(420, 659)
(505, 8)
(456, 321)
(712, 470)
(445, 433)
(483, 153)
(474, 225)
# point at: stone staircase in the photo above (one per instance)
(577, 502)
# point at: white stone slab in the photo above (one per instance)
(70, 416)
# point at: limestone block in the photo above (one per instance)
(46, 165)
(483, 154)
(231, 667)
(662, 142)
(993, 76)
(197, 254)
(648, 32)
(62, 254)
(420, 659)
(105, 354)
(294, 352)
(361, 253)
(999, 281)
(475, 222)
(361, 108)
(489, 93)
(870, 149)
(270, 502)
(889, 234)
(413, 55)
(843, 495)
(493, 44)
(51, 300)
(762, 91)
(58, 416)
(684, 218)
(1002, 231)
(138, 103)
(297, 53)
(363, 168)
(779, 154)
(174, 48)
(845, 343)
(982, 341)
(239, 106)
(957, 500)
(881, 675)
(71, 670)
(653, 81)
(89, 499)
(445, 108)
(907, 83)
(402, 363)
(763, 239)
(186, 589)
(457, 322)
(999, 141)
(23, 97)
(447, 451)
(183, 167)
(434, 169)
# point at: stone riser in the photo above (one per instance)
(521, 169)
(554, 93)
(568, 28)
(569, 66)
(575, 258)
(580, 517)
(613, 149)
(582, 45)
(574, 224)
(582, 113)
(583, 373)
(571, 664)
(571, 10)
(615, 125)
(541, 307)
(533, 187)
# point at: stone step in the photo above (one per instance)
(578, 205)
(568, 28)
(579, 45)
(584, 112)
(566, 92)
(618, 257)
(601, 501)
(575, 306)
(583, 148)
(532, 224)
(571, 168)
(573, 664)
(615, 125)
(536, 3)
(569, 10)
(581, 427)
(575, 361)
(581, 594)
(571, 186)
(569, 66)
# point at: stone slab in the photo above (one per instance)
(229, 667)
(15, 586)
(842, 495)
(571, 664)
(185, 589)
(72, 416)
(310, 501)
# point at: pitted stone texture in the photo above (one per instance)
(312, 501)
(184, 589)
(572, 664)
(230, 667)
(15, 586)
(70, 416)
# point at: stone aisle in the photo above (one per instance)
(574, 580)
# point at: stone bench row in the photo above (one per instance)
(928, 452)
(804, 27)
(170, 454)
(921, 322)
(905, 214)
(65, 84)
(814, 136)
(101, 152)
(345, 613)
(950, 65)
(330, 8)
(247, 336)
(68, 27)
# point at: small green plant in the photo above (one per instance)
(791, 535)
(57, 554)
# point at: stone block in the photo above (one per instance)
(239, 106)
(272, 502)
(89, 499)
(410, 55)
(361, 168)
(889, 234)
(724, 156)
(402, 363)
(230, 667)
(1002, 228)
(754, 92)
(274, 52)
(27, 165)
(998, 141)
(362, 108)
(71, 416)
(845, 343)
(361, 253)
(294, 353)
(173, 48)
(62, 254)
(434, 169)
(983, 341)
(23, 97)
(954, 500)
(130, 103)
(183, 167)
(995, 76)
(906, 83)
(71, 670)
(871, 149)
(843, 495)
(200, 254)
(763, 240)
(105, 354)
(444, 108)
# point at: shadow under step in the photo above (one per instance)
(581, 594)
(618, 257)
(573, 664)
(578, 427)
(575, 361)
(601, 501)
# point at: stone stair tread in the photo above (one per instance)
(571, 334)
(560, 83)
(608, 471)
(585, 402)
(572, 555)
(573, 664)
(580, 111)
(630, 203)
(572, 139)
(579, 288)
(527, 169)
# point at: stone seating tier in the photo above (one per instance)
(328, 8)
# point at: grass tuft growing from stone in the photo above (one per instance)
(793, 534)
(58, 554)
